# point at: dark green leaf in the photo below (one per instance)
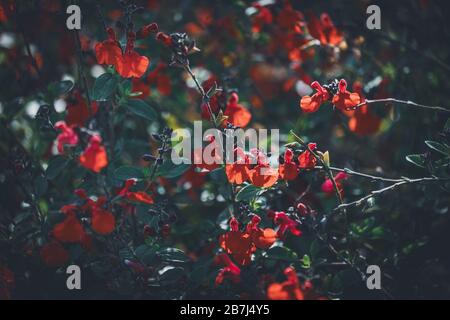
(439, 147)
(104, 87)
(173, 255)
(60, 87)
(40, 185)
(142, 109)
(248, 192)
(417, 159)
(128, 172)
(55, 167)
(170, 170)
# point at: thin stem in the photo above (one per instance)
(360, 174)
(404, 102)
(81, 72)
(375, 193)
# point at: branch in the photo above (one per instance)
(375, 193)
(404, 102)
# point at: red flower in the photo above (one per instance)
(103, 221)
(70, 230)
(262, 238)
(287, 290)
(146, 30)
(237, 114)
(288, 170)
(263, 176)
(312, 104)
(306, 159)
(139, 86)
(128, 64)
(94, 156)
(290, 19)
(7, 281)
(239, 171)
(163, 83)
(363, 122)
(324, 30)
(54, 254)
(344, 99)
(230, 270)
(285, 224)
(208, 158)
(78, 110)
(237, 243)
(261, 18)
(109, 51)
(327, 186)
(66, 137)
(164, 38)
(139, 196)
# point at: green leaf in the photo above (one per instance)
(40, 185)
(104, 87)
(249, 192)
(439, 147)
(128, 172)
(170, 170)
(173, 255)
(282, 253)
(142, 109)
(417, 159)
(60, 87)
(170, 274)
(146, 253)
(55, 167)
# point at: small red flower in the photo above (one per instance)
(363, 122)
(261, 18)
(327, 186)
(238, 244)
(306, 159)
(239, 171)
(237, 114)
(312, 104)
(287, 290)
(147, 30)
(78, 110)
(162, 80)
(54, 254)
(94, 156)
(7, 282)
(103, 221)
(324, 30)
(164, 38)
(128, 64)
(230, 270)
(288, 170)
(139, 86)
(139, 196)
(285, 224)
(70, 230)
(109, 51)
(262, 238)
(344, 99)
(67, 137)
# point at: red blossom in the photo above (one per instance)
(287, 290)
(230, 270)
(94, 156)
(238, 244)
(288, 170)
(261, 18)
(285, 224)
(147, 30)
(54, 254)
(78, 110)
(363, 122)
(109, 51)
(312, 104)
(344, 99)
(67, 137)
(328, 188)
(139, 196)
(237, 114)
(306, 159)
(70, 230)
(239, 171)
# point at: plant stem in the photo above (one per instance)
(404, 102)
